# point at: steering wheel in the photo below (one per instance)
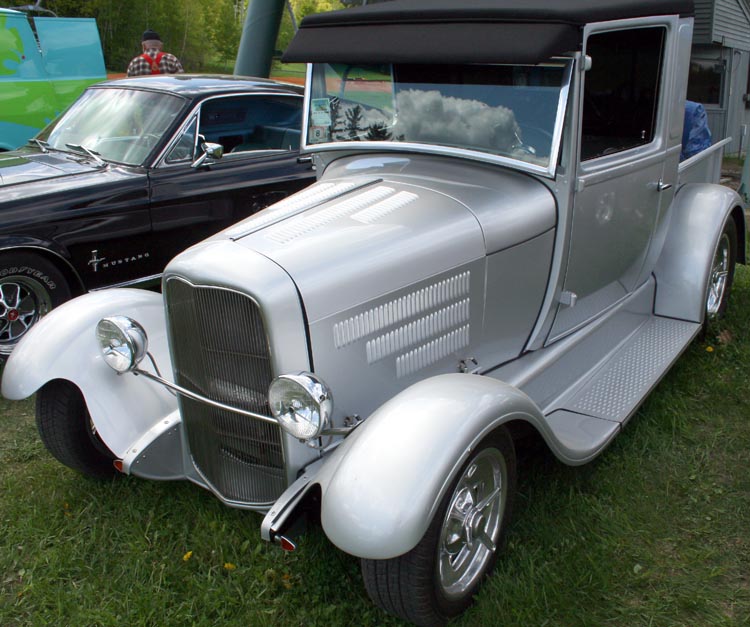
(533, 139)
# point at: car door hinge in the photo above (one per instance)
(568, 299)
(469, 366)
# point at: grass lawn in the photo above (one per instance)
(654, 532)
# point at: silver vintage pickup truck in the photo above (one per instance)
(502, 239)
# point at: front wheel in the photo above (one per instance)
(722, 271)
(66, 430)
(438, 578)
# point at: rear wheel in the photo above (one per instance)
(722, 271)
(438, 578)
(66, 430)
(30, 286)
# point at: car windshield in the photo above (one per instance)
(509, 111)
(120, 125)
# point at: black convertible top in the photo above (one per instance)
(468, 31)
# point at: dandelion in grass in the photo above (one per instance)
(709, 349)
(229, 566)
(187, 556)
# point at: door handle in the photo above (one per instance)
(661, 186)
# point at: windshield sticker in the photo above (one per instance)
(321, 112)
(319, 133)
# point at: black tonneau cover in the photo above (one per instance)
(465, 31)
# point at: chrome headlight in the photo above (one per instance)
(123, 342)
(301, 403)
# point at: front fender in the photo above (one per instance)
(63, 345)
(683, 269)
(382, 486)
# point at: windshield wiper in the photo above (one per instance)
(94, 155)
(43, 146)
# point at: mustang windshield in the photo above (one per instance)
(121, 125)
(509, 111)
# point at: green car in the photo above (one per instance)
(45, 63)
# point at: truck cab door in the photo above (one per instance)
(620, 178)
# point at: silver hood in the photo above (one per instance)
(371, 226)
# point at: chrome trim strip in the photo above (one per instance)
(202, 399)
(431, 149)
(562, 106)
(703, 154)
(145, 279)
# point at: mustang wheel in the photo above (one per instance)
(437, 579)
(66, 430)
(722, 271)
(29, 287)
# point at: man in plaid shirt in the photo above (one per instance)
(153, 60)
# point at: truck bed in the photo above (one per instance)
(705, 167)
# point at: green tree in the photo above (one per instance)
(204, 35)
(302, 8)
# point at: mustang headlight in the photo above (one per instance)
(301, 403)
(123, 342)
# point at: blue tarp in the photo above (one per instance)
(696, 135)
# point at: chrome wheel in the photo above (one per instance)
(22, 302)
(439, 577)
(471, 527)
(717, 282)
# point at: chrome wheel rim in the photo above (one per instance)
(22, 303)
(717, 283)
(471, 527)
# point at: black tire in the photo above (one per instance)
(30, 286)
(413, 586)
(721, 274)
(66, 431)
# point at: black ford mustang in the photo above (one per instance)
(135, 171)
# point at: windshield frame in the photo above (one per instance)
(450, 151)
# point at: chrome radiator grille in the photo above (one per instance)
(220, 350)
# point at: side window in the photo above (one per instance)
(705, 81)
(184, 149)
(621, 91)
(247, 123)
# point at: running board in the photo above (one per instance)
(586, 417)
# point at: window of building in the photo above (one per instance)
(705, 81)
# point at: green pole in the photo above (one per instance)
(258, 39)
(744, 189)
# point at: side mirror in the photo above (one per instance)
(210, 151)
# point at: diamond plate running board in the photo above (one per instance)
(623, 382)
(587, 418)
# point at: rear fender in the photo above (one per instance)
(381, 488)
(63, 345)
(682, 272)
